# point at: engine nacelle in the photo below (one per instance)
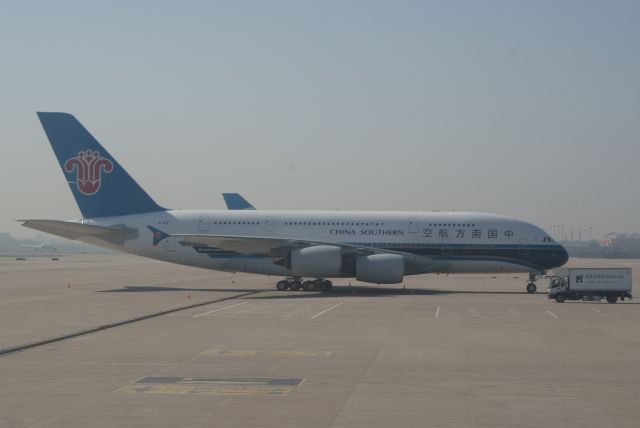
(320, 261)
(380, 268)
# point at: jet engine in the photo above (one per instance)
(380, 268)
(320, 261)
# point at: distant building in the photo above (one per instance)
(622, 241)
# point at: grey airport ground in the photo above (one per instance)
(134, 342)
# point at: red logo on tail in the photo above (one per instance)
(88, 166)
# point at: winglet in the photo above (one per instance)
(236, 202)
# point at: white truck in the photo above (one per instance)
(577, 283)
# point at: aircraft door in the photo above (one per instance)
(269, 224)
(203, 223)
(414, 224)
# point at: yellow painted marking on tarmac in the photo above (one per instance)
(211, 386)
(204, 390)
(243, 353)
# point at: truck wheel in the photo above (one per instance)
(531, 287)
(560, 298)
(612, 299)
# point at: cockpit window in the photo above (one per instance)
(547, 239)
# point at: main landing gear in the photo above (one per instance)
(531, 285)
(296, 284)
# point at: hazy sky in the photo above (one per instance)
(529, 109)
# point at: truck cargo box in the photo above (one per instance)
(597, 279)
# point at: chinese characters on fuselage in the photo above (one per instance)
(444, 233)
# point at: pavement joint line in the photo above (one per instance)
(596, 309)
(325, 311)
(438, 312)
(39, 343)
(219, 309)
(552, 314)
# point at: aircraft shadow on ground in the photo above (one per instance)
(346, 292)
(156, 289)
(603, 301)
(338, 291)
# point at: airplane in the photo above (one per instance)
(235, 201)
(42, 246)
(306, 248)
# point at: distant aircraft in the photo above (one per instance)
(236, 202)
(42, 246)
(371, 246)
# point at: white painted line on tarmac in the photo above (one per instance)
(438, 312)
(219, 309)
(552, 314)
(513, 312)
(596, 309)
(325, 311)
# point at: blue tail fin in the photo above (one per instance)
(236, 202)
(102, 188)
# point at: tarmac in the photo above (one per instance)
(120, 341)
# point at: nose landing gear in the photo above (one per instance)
(531, 285)
(296, 284)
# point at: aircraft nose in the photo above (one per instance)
(563, 256)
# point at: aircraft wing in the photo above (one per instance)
(72, 230)
(281, 247)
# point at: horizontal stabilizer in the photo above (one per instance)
(78, 231)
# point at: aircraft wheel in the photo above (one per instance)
(326, 286)
(531, 287)
(296, 285)
(283, 285)
(309, 285)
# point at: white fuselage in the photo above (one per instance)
(469, 242)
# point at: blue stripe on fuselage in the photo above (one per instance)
(535, 256)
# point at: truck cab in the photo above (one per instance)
(558, 288)
(557, 285)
